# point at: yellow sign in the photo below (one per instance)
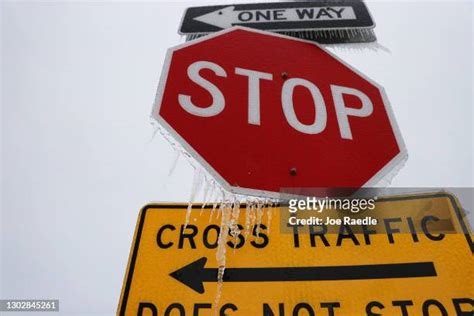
(400, 267)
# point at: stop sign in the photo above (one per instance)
(264, 112)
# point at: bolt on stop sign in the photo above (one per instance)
(262, 112)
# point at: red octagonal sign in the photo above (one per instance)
(262, 112)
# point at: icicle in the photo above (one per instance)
(253, 218)
(234, 228)
(221, 248)
(214, 207)
(223, 200)
(216, 203)
(219, 213)
(259, 216)
(175, 163)
(269, 215)
(205, 194)
(156, 128)
(196, 186)
(248, 208)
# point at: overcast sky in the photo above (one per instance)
(78, 160)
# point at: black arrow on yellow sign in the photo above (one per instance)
(195, 274)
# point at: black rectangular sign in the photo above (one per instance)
(280, 16)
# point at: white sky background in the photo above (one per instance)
(78, 82)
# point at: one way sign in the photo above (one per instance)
(290, 16)
(229, 16)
